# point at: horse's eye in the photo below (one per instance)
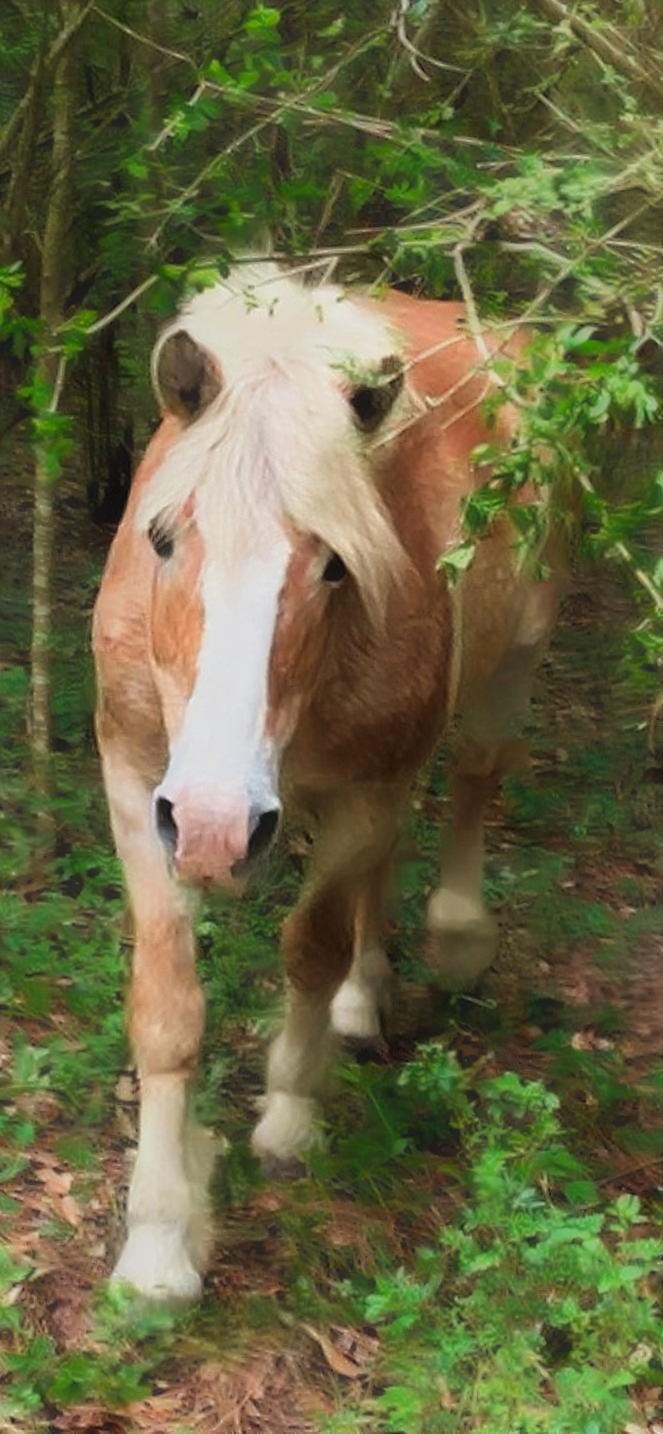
(371, 403)
(334, 570)
(161, 540)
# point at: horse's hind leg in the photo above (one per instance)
(363, 1001)
(463, 936)
(168, 1224)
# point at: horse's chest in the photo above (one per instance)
(378, 706)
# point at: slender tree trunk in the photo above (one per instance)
(55, 270)
(23, 164)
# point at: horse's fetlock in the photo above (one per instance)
(288, 1128)
(300, 1064)
(356, 1011)
(462, 939)
(453, 910)
(155, 1201)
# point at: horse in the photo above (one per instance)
(274, 630)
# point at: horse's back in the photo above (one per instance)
(497, 604)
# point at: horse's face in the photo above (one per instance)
(232, 659)
(244, 584)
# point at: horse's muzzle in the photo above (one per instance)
(214, 841)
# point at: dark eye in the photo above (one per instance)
(334, 570)
(161, 540)
(371, 403)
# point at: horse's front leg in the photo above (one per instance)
(168, 1221)
(335, 928)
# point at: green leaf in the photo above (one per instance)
(457, 561)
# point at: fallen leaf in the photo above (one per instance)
(335, 1359)
(69, 1209)
(56, 1182)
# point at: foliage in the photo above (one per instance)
(526, 1313)
(517, 1297)
(510, 156)
(523, 172)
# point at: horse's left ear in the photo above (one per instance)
(185, 376)
(372, 402)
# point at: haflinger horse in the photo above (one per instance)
(274, 629)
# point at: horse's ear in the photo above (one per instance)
(184, 376)
(371, 402)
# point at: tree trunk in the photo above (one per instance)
(55, 269)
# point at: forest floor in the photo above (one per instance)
(282, 1342)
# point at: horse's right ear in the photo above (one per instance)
(185, 377)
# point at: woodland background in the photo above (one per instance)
(474, 1250)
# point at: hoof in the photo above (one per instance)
(363, 1049)
(287, 1130)
(462, 940)
(274, 1168)
(156, 1263)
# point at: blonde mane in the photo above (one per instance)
(277, 445)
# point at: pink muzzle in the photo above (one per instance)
(211, 837)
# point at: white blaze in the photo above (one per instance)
(221, 746)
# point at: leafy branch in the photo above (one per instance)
(599, 41)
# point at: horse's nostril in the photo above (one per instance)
(262, 832)
(166, 824)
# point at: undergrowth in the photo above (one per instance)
(529, 1310)
(505, 1291)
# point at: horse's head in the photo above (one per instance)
(266, 502)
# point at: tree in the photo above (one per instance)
(510, 155)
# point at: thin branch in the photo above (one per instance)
(428, 405)
(414, 54)
(473, 320)
(608, 51)
(437, 222)
(624, 552)
(618, 1176)
(531, 246)
(208, 169)
(352, 119)
(575, 128)
(171, 124)
(275, 112)
(609, 234)
(58, 384)
(129, 299)
(42, 68)
(144, 39)
(585, 482)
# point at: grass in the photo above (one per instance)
(469, 1251)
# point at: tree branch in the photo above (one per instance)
(607, 50)
(42, 69)
(145, 39)
(414, 54)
